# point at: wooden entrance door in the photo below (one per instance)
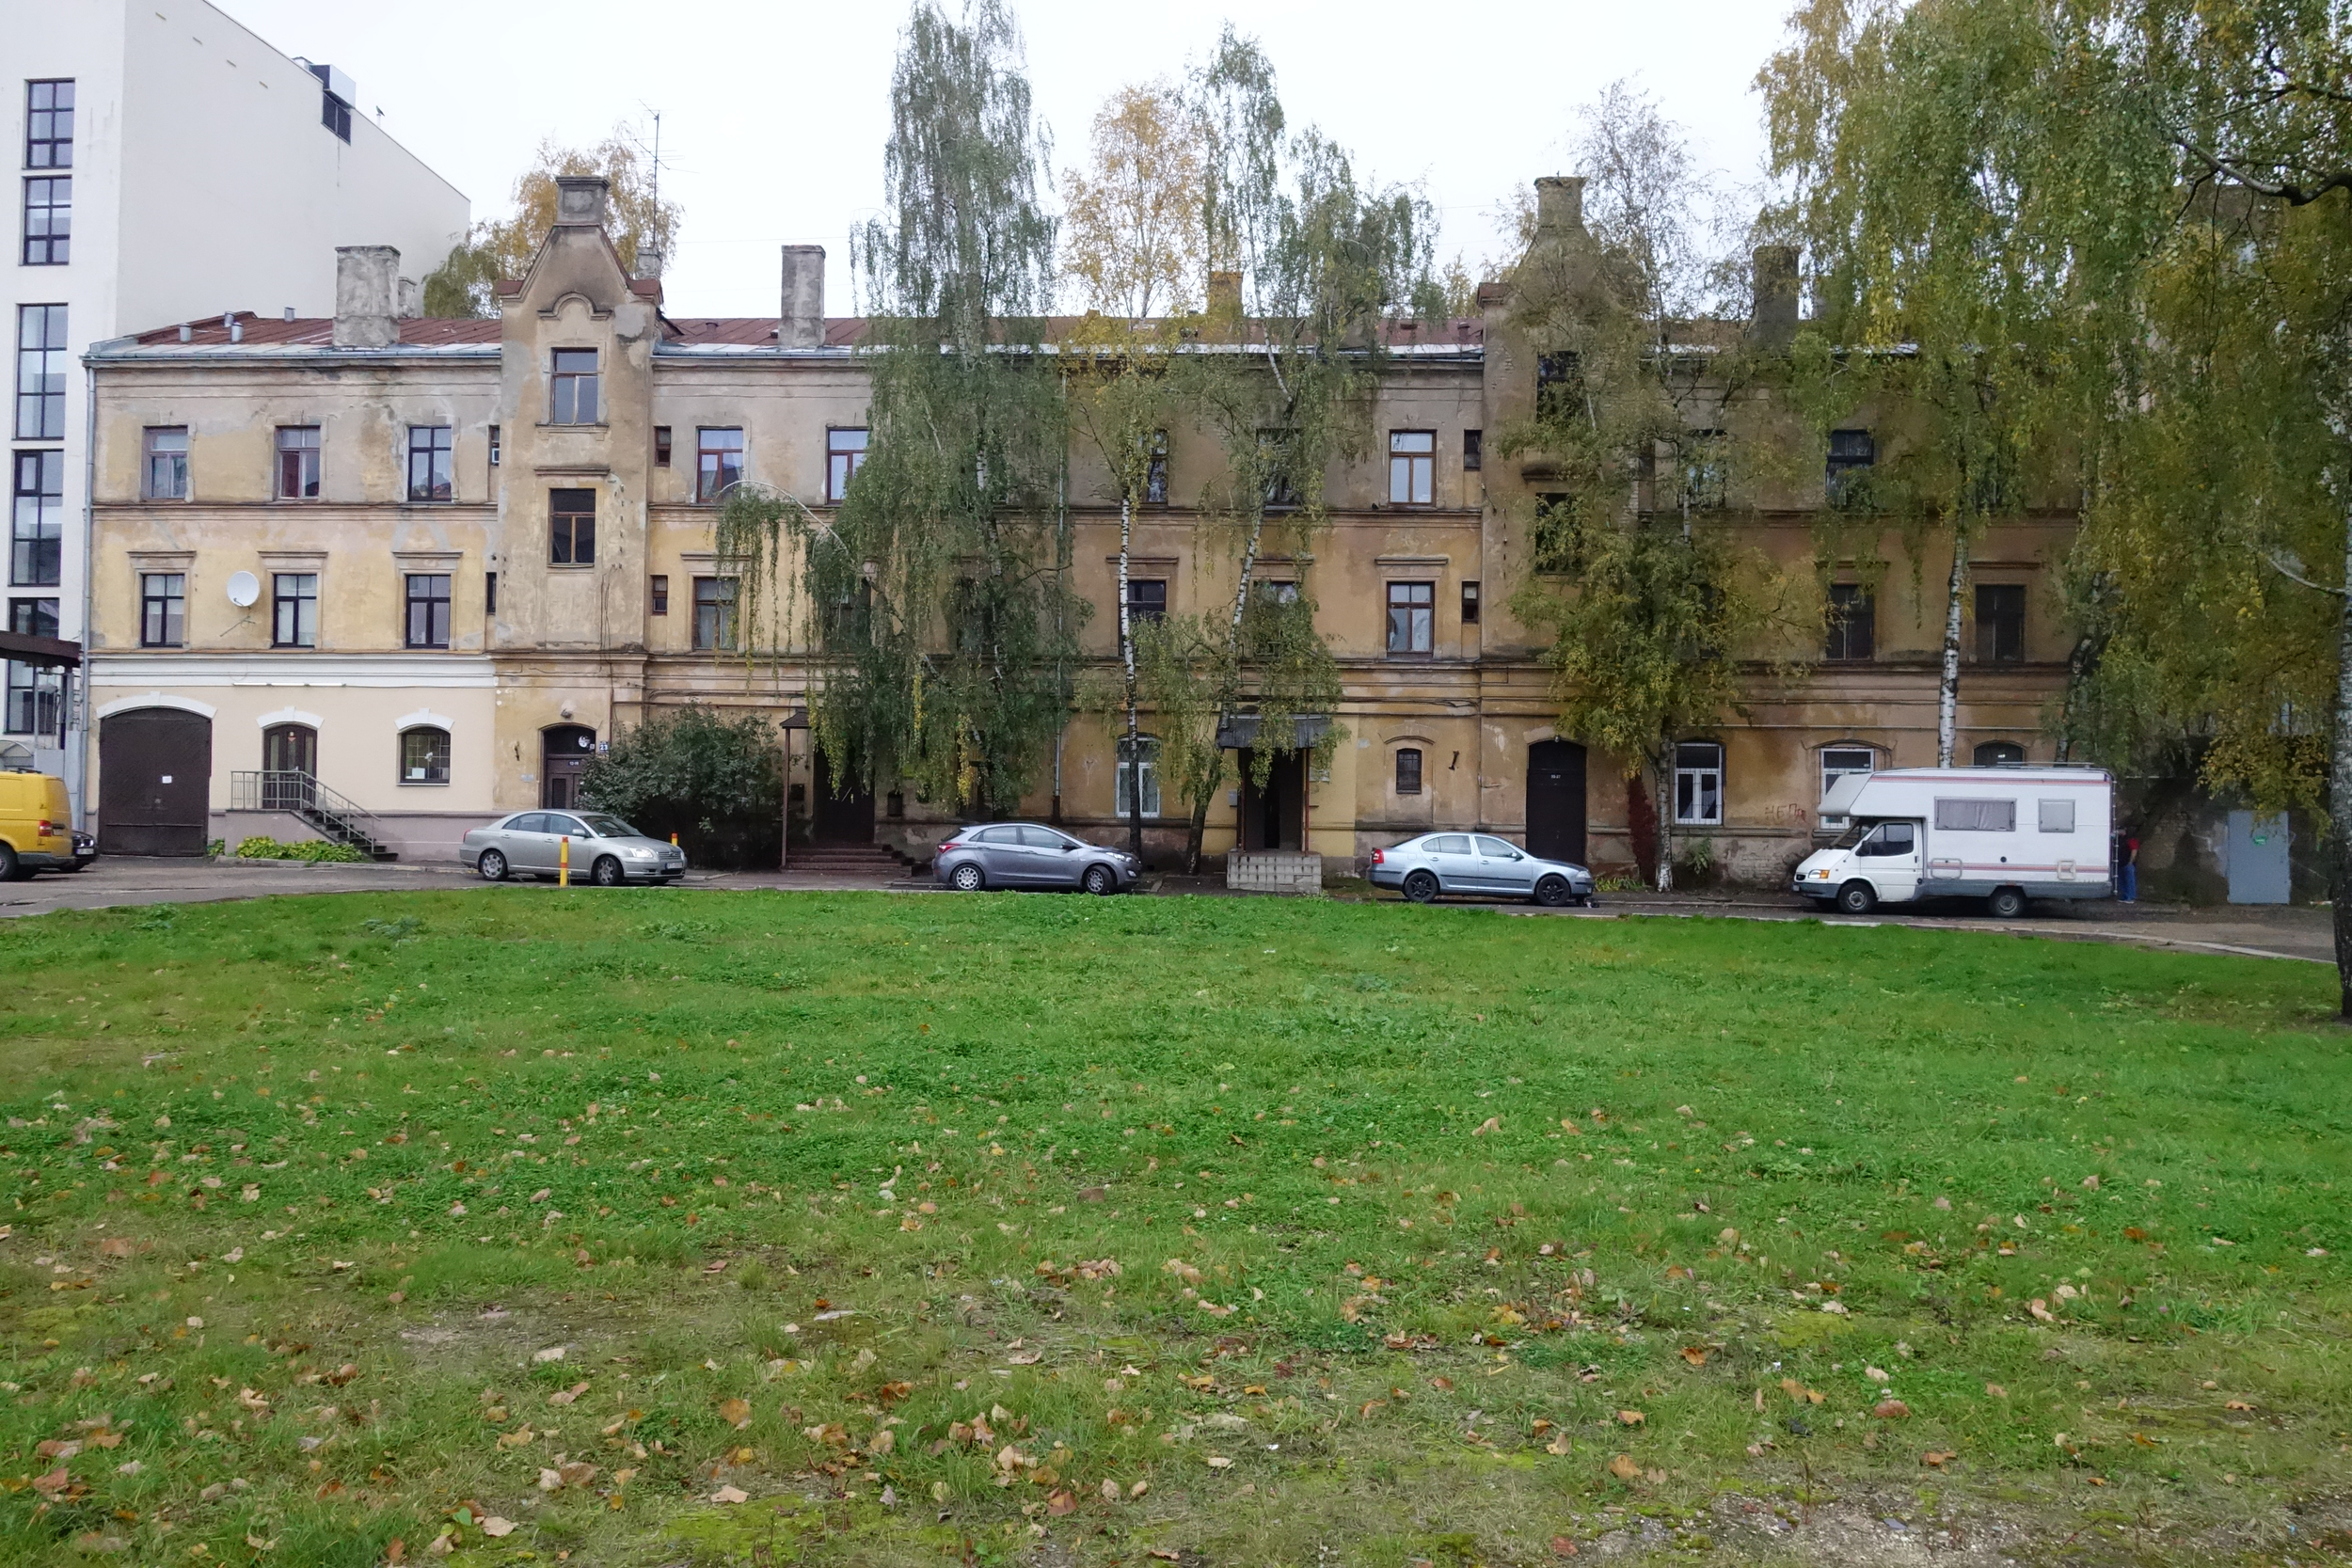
(1555, 800)
(155, 775)
(847, 818)
(1273, 814)
(289, 767)
(565, 751)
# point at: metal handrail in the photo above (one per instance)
(291, 789)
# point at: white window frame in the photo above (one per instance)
(1121, 786)
(1831, 775)
(1698, 784)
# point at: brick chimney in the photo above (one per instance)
(1560, 205)
(1225, 295)
(801, 321)
(581, 201)
(1774, 322)
(367, 283)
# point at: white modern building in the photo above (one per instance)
(174, 168)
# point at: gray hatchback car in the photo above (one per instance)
(605, 849)
(1434, 864)
(1029, 854)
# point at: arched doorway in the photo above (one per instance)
(564, 751)
(1555, 800)
(155, 775)
(290, 768)
(2000, 754)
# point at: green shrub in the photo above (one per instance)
(698, 773)
(311, 852)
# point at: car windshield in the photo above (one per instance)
(1854, 833)
(609, 827)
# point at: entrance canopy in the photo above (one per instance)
(1239, 732)
(52, 652)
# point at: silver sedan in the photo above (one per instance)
(1029, 854)
(1479, 863)
(603, 850)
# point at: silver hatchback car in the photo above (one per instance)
(605, 849)
(1029, 854)
(1434, 864)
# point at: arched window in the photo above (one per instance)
(1408, 770)
(424, 756)
(2000, 754)
(1123, 792)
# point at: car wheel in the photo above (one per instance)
(11, 867)
(966, 879)
(1552, 892)
(2007, 903)
(1422, 886)
(609, 873)
(1857, 898)
(1099, 880)
(492, 865)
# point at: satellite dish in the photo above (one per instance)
(243, 588)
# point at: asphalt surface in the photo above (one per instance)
(2298, 934)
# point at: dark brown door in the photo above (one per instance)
(566, 748)
(847, 818)
(155, 775)
(289, 767)
(1555, 800)
(1271, 813)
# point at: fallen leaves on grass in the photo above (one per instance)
(1624, 1468)
(730, 1494)
(1695, 1355)
(1890, 1410)
(1630, 1418)
(1800, 1393)
(737, 1413)
(1936, 1458)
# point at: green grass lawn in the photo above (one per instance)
(655, 1227)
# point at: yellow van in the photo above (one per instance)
(35, 825)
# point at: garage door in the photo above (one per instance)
(156, 772)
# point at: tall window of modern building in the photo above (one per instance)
(1699, 783)
(718, 463)
(40, 364)
(571, 527)
(49, 124)
(167, 461)
(163, 609)
(845, 453)
(1412, 617)
(429, 462)
(294, 610)
(1413, 467)
(35, 695)
(1852, 622)
(429, 610)
(298, 462)
(2000, 623)
(573, 388)
(36, 521)
(1155, 469)
(48, 220)
(714, 613)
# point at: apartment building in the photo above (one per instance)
(431, 566)
(174, 166)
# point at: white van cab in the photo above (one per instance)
(2003, 834)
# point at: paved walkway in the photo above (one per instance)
(2300, 934)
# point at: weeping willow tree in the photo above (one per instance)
(935, 599)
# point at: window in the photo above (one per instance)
(33, 617)
(1850, 452)
(490, 593)
(36, 699)
(1147, 599)
(1852, 622)
(35, 525)
(494, 445)
(714, 613)
(2056, 816)
(297, 462)
(2000, 623)
(2000, 754)
(1839, 761)
(428, 462)
(1975, 817)
(1408, 770)
(661, 446)
(163, 609)
(1413, 467)
(1123, 788)
(1699, 783)
(424, 756)
(1706, 471)
(1274, 592)
(658, 594)
(571, 527)
(1450, 843)
(1559, 385)
(1412, 608)
(294, 610)
(1557, 545)
(1889, 840)
(573, 399)
(719, 463)
(1275, 457)
(429, 610)
(48, 221)
(41, 366)
(1474, 450)
(335, 114)
(1469, 604)
(845, 453)
(167, 463)
(1155, 469)
(49, 124)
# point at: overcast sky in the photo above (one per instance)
(773, 115)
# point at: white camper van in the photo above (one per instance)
(2003, 834)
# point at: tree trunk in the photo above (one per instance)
(1197, 830)
(1667, 818)
(1948, 685)
(1127, 653)
(2340, 792)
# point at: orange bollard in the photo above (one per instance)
(563, 862)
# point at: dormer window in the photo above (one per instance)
(574, 388)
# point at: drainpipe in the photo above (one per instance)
(89, 573)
